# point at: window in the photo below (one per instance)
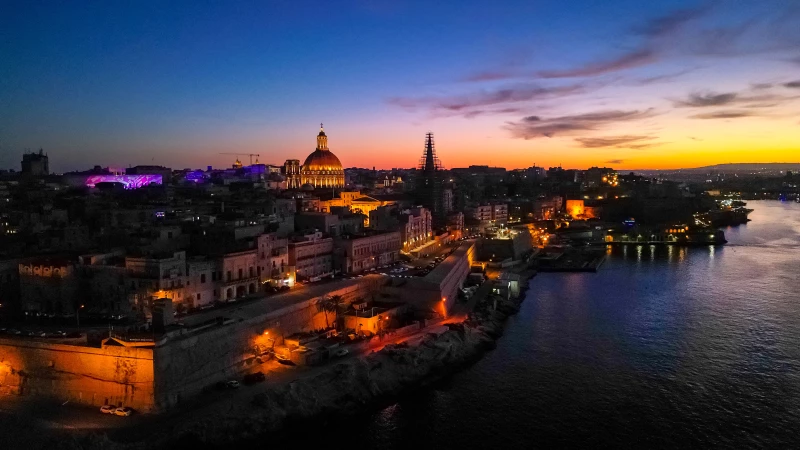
(202, 278)
(198, 296)
(229, 275)
(240, 273)
(213, 276)
(252, 272)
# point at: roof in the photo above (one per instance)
(366, 199)
(322, 160)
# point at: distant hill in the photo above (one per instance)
(737, 168)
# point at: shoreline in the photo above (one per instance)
(344, 389)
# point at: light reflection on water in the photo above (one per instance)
(683, 346)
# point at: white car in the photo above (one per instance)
(108, 409)
(124, 411)
(341, 352)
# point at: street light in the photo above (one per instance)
(78, 316)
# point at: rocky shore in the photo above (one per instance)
(344, 388)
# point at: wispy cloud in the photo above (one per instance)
(614, 161)
(532, 127)
(744, 99)
(703, 99)
(662, 78)
(646, 52)
(466, 104)
(793, 84)
(731, 114)
(612, 141)
(629, 60)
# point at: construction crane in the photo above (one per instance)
(249, 154)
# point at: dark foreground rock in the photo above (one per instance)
(348, 387)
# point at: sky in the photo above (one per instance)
(624, 84)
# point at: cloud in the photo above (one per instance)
(669, 23)
(627, 61)
(480, 112)
(465, 104)
(532, 127)
(793, 84)
(732, 114)
(645, 53)
(661, 78)
(703, 99)
(611, 141)
(492, 75)
(614, 161)
(706, 99)
(760, 86)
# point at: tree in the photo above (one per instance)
(330, 304)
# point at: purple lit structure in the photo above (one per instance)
(129, 181)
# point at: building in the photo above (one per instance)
(429, 182)
(49, 286)
(164, 172)
(322, 168)
(158, 275)
(291, 171)
(201, 289)
(36, 164)
(273, 261)
(368, 251)
(416, 228)
(311, 220)
(493, 214)
(239, 275)
(311, 255)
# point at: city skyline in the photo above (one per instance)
(678, 84)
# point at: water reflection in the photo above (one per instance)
(657, 253)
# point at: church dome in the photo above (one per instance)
(322, 168)
(322, 160)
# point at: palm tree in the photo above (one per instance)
(330, 304)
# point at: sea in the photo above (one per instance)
(663, 347)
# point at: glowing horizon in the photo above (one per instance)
(676, 84)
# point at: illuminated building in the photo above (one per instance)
(322, 168)
(291, 170)
(416, 228)
(369, 251)
(128, 181)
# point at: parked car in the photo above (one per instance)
(124, 411)
(341, 352)
(253, 378)
(232, 384)
(108, 409)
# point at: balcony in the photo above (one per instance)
(240, 280)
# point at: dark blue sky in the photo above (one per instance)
(119, 83)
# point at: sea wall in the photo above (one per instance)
(186, 365)
(351, 386)
(85, 375)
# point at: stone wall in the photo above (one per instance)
(86, 375)
(187, 365)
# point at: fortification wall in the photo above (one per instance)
(86, 375)
(187, 365)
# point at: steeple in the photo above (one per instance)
(322, 139)
(429, 160)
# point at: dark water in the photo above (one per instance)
(663, 348)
